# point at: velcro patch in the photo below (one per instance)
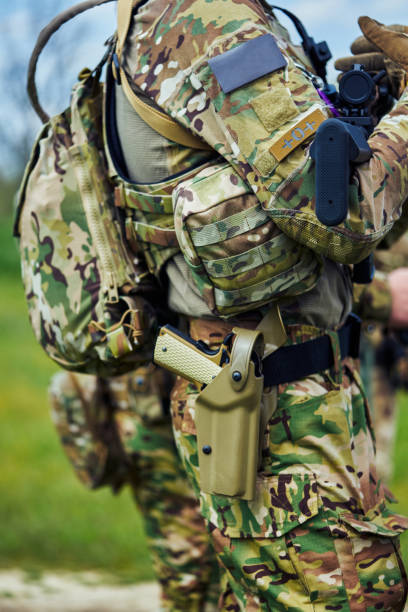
(247, 62)
(297, 133)
(275, 107)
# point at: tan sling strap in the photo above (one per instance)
(42, 40)
(159, 121)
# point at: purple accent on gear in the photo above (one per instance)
(329, 104)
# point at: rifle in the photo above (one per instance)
(342, 141)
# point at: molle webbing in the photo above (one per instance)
(149, 221)
(238, 258)
(270, 288)
(222, 230)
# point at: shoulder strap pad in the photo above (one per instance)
(159, 121)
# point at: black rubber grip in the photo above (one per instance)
(330, 150)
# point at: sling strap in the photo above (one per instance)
(159, 121)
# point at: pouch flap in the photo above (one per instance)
(237, 256)
(382, 522)
(291, 500)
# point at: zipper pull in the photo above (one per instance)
(111, 288)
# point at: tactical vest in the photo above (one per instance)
(86, 233)
(232, 79)
(237, 256)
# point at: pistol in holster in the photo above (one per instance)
(232, 409)
(228, 416)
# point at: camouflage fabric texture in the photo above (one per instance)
(238, 257)
(137, 449)
(372, 302)
(171, 66)
(80, 277)
(385, 417)
(318, 535)
(149, 221)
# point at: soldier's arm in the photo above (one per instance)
(373, 302)
(257, 122)
(385, 300)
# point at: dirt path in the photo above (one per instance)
(70, 592)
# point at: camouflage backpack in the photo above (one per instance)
(82, 281)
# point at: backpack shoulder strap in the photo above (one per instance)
(42, 40)
(159, 121)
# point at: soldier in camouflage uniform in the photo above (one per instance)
(229, 228)
(384, 358)
(117, 431)
(318, 535)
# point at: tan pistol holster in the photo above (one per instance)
(228, 414)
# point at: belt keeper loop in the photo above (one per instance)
(336, 371)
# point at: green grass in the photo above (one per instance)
(47, 518)
(399, 485)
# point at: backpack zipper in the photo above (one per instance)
(96, 227)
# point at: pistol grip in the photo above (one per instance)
(181, 357)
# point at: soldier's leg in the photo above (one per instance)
(182, 555)
(318, 535)
(179, 543)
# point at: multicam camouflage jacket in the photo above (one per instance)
(80, 274)
(179, 55)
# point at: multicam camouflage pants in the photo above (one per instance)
(137, 448)
(318, 535)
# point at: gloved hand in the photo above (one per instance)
(376, 50)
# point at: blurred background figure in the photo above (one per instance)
(382, 303)
(384, 349)
(117, 432)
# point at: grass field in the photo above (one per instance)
(47, 519)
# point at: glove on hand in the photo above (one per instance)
(376, 51)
